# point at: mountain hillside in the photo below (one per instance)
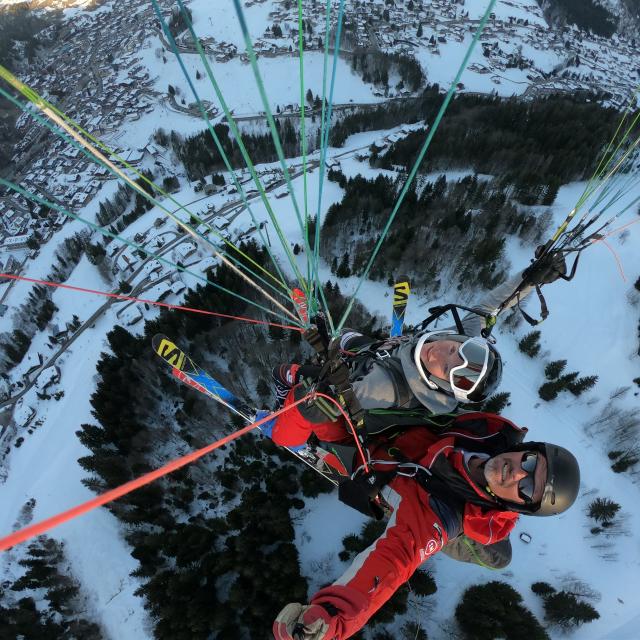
(199, 226)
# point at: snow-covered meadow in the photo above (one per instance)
(592, 324)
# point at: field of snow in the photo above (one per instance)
(592, 325)
(236, 80)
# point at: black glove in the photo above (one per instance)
(317, 410)
(317, 335)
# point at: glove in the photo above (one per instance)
(316, 335)
(303, 622)
(319, 410)
(315, 339)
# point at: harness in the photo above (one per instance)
(441, 480)
(362, 363)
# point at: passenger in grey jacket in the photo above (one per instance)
(434, 370)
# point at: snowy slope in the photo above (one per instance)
(592, 325)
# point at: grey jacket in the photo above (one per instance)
(373, 383)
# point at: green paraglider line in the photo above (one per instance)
(94, 155)
(419, 159)
(236, 134)
(35, 99)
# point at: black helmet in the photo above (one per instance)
(476, 378)
(562, 483)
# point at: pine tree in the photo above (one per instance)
(603, 509)
(553, 370)
(422, 583)
(582, 384)
(125, 287)
(530, 344)
(497, 402)
(542, 589)
(419, 32)
(566, 380)
(566, 611)
(343, 270)
(549, 390)
(495, 610)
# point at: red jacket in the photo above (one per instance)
(414, 533)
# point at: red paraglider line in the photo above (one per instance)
(120, 296)
(615, 255)
(353, 429)
(45, 525)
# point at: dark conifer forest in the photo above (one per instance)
(215, 540)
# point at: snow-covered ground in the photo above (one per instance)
(592, 325)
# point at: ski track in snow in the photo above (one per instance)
(591, 325)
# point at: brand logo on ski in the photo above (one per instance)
(400, 293)
(169, 352)
(183, 377)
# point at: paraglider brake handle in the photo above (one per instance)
(317, 335)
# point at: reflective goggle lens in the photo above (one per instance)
(526, 486)
(475, 357)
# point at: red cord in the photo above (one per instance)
(120, 296)
(353, 429)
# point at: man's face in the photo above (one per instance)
(504, 471)
(440, 356)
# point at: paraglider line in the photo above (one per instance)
(157, 303)
(351, 427)
(615, 255)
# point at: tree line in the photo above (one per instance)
(377, 67)
(586, 14)
(38, 310)
(41, 600)
(200, 155)
(447, 232)
(533, 146)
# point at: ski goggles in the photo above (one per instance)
(468, 376)
(527, 486)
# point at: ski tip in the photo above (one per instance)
(157, 339)
(299, 299)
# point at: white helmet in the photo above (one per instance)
(472, 381)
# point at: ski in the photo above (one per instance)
(184, 369)
(401, 290)
(299, 299)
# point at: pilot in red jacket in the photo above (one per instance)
(464, 488)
